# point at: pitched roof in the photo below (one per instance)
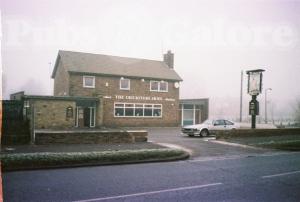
(114, 65)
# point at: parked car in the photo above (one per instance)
(208, 127)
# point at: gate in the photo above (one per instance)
(15, 128)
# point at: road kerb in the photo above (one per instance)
(234, 144)
(175, 146)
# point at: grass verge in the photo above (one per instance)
(291, 145)
(20, 161)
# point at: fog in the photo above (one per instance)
(213, 41)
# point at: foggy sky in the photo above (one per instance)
(213, 41)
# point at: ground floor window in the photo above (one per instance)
(137, 110)
(191, 114)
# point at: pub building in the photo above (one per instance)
(95, 91)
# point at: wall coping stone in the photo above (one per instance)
(86, 131)
(240, 133)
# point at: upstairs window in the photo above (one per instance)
(163, 86)
(88, 81)
(159, 86)
(124, 84)
(154, 86)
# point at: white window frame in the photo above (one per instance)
(167, 86)
(87, 86)
(158, 86)
(123, 79)
(92, 118)
(134, 107)
(183, 110)
(76, 118)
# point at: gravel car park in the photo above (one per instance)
(208, 127)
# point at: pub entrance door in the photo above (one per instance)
(86, 117)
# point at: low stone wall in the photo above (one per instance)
(138, 135)
(89, 137)
(256, 133)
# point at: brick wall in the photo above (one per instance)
(109, 86)
(51, 114)
(61, 81)
(90, 137)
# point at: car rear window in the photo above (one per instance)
(228, 122)
(219, 122)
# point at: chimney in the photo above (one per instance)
(169, 59)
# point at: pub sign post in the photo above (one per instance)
(254, 89)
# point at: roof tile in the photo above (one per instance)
(115, 65)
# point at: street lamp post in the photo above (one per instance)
(241, 98)
(266, 101)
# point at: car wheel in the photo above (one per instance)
(204, 133)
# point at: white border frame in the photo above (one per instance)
(83, 81)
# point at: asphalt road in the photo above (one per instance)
(261, 178)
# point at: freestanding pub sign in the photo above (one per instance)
(254, 89)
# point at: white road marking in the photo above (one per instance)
(281, 174)
(152, 192)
